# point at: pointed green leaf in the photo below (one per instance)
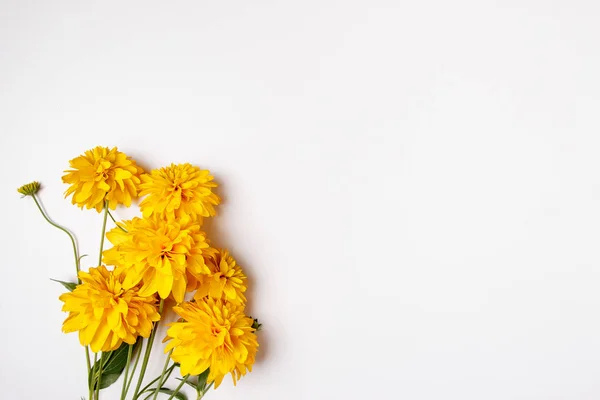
(70, 286)
(113, 364)
(117, 359)
(202, 379)
(108, 379)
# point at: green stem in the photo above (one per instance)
(203, 392)
(93, 376)
(77, 263)
(148, 350)
(89, 367)
(183, 381)
(62, 229)
(135, 364)
(100, 263)
(103, 232)
(113, 219)
(129, 352)
(160, 380)
(99, 376)
(90, 392)
(169, 370)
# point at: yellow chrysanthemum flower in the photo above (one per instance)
(226, 280)
(105, 313)
(100, 175)
(179, 191)
(159, 253)
(29, 189)
(214, 334)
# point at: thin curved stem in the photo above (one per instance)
(129, 353)
(77, 263)
(54, 224)
(113, 219)
(161, 378)
(147, 353)
(183, 381)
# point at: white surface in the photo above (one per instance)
(413, 187)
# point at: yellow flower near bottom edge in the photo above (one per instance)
(104, 313)
(215, 334)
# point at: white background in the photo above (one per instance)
(413, 187)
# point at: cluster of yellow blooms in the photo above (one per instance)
(161, 255)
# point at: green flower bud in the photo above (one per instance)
(29, 189)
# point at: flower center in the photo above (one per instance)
(102, 169)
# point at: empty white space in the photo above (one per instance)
(412, 187)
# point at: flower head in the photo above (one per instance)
(105, 313)
(226, 280)
(214, 334)
(29, 189)
(158, 253)
(179, 191)
(100, 175)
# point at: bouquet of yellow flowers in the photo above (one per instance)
(154, 260)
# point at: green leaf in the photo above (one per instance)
(117, 359)
(202, 379)
(255, 325)
(113, 364)
(69, 285)
(179, 395)
(108, 379)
